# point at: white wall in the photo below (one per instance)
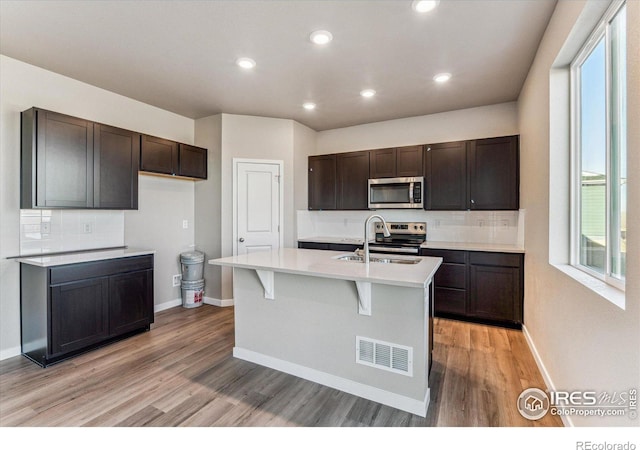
(304, 144)
(256, 138)
(163, 203)
(23, 86)
(464, 124)
(208, 134)
(584, 341)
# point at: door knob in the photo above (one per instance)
(241, 239)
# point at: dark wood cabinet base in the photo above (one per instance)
(70, 309)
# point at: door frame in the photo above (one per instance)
(234, 183)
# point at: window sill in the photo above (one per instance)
(599, 287)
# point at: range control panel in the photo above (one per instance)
(403, 227)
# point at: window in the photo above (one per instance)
(599, 112)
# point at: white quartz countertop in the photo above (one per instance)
(473, 246)
(333, 240)
(439, 245)
(75, 258)
(323, 263)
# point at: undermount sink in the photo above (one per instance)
(358, 258)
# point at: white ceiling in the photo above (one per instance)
(180, 55)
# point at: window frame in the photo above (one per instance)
(601, 31)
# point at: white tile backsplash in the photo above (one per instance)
(49, 231)
(493, 227)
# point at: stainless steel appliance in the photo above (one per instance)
(396, 193)
(405, 237)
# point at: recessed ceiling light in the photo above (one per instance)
(368, 93)
(321, 37)
(246, 63)
(309, 106)
(442, 77)
(422, 6)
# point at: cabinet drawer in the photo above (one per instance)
(314, 245)
(344, 247)
(448, 256)
(452, 301)
(496, 259)
(84, 271)
(452, 276)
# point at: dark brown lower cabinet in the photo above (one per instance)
(69, 309)
(79, 314)
(479, 286)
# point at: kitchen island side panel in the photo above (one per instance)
(313, 322)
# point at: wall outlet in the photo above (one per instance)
(86, 227)
(185, 224)
(176, 280)
(45, 227)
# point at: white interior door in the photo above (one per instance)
(258, 188)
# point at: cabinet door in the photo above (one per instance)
(79, 314)
(159, 155)
(117, 159)
(64, 161)
(130, 301)
(494, 173)
(353, 177)
(409, 161)
(446, 176)
(383, 163)
(322, 182)
(495, 293)
(193, 161)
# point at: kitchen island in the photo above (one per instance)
(361, 328)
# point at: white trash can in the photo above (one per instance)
(192, 293)
(192, 265)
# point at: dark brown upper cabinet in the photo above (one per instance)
(383, 163)
(193, 161)
(322, 182)
(159, 155)
(68, 162)
(482, 174)
(445, 172)
(352, 180)
(494, 174)
(167, 157)
(116, 156)
(396, 162)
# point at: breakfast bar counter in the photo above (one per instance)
(361, 328)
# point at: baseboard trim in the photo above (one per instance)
(543, 370)
(10, 353)
(397, 401)
(167, 305)
(218, 302)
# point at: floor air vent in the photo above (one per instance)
(384, 355)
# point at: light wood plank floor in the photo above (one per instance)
(181, 373)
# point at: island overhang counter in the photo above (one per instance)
(361, 328)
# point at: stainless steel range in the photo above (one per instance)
(406, 237)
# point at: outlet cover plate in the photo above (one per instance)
(176, 280)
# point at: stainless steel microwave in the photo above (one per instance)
(396, 193)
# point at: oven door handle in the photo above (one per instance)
(410, 250)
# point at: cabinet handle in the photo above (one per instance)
(311, 169)
(241, 239)
(428, 149)
(473, 201)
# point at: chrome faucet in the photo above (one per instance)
(366, 233)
